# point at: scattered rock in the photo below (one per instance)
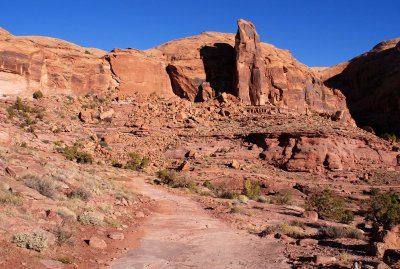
(235, 164)
(107, 114)
(4, 186)
(10, 172)
(96, 242)
(307, 242)
(116, 236)
(52, 264)
(185, 166)
(311, 215)
(139, 215)
(323, 260)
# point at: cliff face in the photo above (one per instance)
(28, 64)
(196, 68)
(257, 73)
(371, 83)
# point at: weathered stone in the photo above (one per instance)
(107, 114)
(311, 215)
(185, 166)
(96, 242)
(322, 260)
(307, 242)
(10, 172)
(116, 236)
(370, 83)
(235, 164)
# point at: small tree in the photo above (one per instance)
(329, 206)
(384, 209)
(37, 95)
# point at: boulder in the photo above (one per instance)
(116, 236)
(96, 242)
(107, 114)
(311, 215)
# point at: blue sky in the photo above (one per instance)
(318, 33)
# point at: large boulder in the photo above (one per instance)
(371, 84)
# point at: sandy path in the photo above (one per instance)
(183, 235)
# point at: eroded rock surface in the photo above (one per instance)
(371, 84)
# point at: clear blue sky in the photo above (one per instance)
(317, 32)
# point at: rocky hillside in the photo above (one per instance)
(371, 83)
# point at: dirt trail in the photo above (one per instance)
(183, 235)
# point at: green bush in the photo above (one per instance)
(208, 185)
(166, 176)
(341, 232)
(251, 189)
(329, 206)
(37, 95)
(137, 162)
(116, 164)
(73, 153)
(36, 241)
(84, 157)
(43, 186)
(184, 183)
(384, 209)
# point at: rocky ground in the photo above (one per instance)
(66, 162)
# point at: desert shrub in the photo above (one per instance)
(43, 186)
(73, 153)
(281, 198)
(166, 176)
(63, 235)
(384, 209)
(225, 193)
(84, 157)
(208, 185)
(329, 206)
(297, 223)
(390, 137)
(66, 260)
(36, 241)
(251, 189)
(37, 95)
(184, 183)
(116, 164)
(11, 112)
(88, 218)
(7, 197)
(81, 193)
(136, 162)
(341, 232)
(286, 229)
(70, 152)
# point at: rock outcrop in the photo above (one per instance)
(371, 83)
(211, 63)
(250, 66)
(32, 63)
(138, 73)
(317, 151)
